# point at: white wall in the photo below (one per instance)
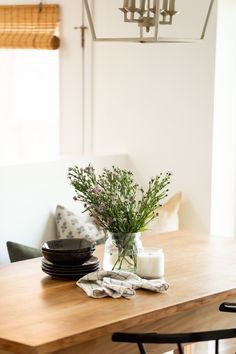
(224, 148)
(155, 101)
(71, 78)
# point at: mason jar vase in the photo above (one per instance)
(120, 251)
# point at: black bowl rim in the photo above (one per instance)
(87, 248)
(77, 251)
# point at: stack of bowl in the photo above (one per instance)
(69, 258)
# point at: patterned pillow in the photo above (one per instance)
(70, 225)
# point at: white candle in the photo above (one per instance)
(172, 5)
(165, 5)
(132, 4)
(150, 263)
(154, 5)
(142, 5)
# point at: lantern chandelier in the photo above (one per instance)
(145, 14)
(148, 16)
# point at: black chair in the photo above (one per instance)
(176, 338)
(19, 252)
(228, 307)
(179, 338)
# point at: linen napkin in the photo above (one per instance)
(118, 283)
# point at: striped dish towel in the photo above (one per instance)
(118, 283)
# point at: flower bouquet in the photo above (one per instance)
(120, 206)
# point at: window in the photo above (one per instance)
(29, 105)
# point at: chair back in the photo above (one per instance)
(228, 307)
(178, 338)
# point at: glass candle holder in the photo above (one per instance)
(150, 263)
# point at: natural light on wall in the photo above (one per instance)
(29, 109)
(223, 214)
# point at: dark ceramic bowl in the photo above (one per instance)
(68, 251)
(70, 257)
(68, 244)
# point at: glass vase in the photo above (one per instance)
(120, 251)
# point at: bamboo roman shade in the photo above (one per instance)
(29, 26)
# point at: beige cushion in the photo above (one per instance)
(70, 225)
(168, 219)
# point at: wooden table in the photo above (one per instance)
(43, 315)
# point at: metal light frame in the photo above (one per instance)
(141, 38)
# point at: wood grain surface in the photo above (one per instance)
(39, 314)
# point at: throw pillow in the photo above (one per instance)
(70, 225)
(18, 252)
(168, 218)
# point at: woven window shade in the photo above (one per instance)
(29, 26)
